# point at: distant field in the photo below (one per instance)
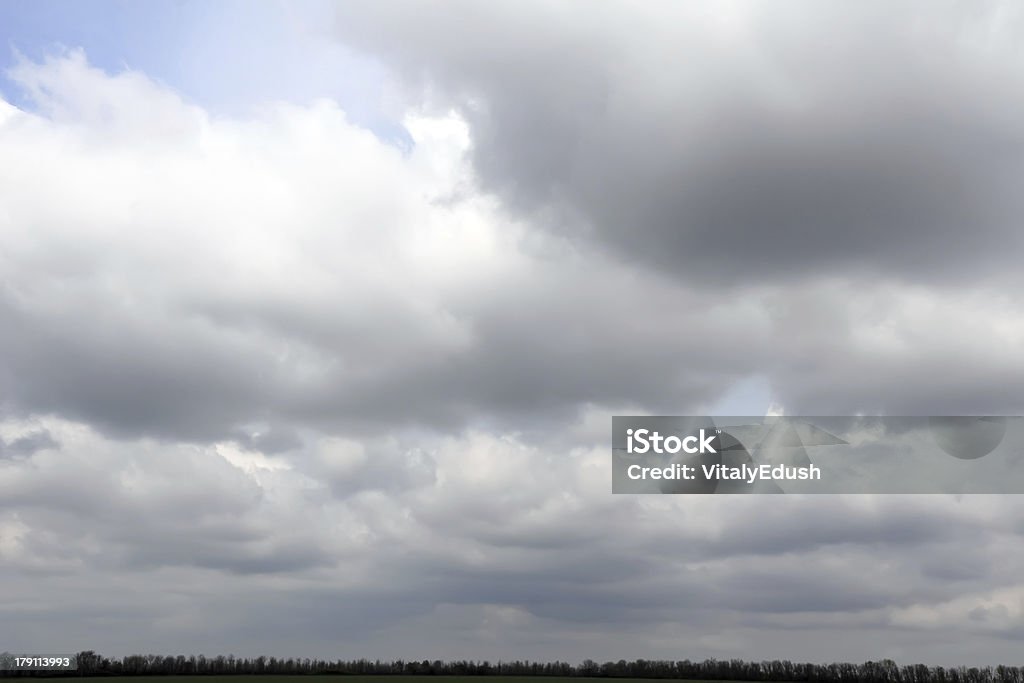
(313, 678)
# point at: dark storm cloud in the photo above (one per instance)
(129, 374)
(727, 143)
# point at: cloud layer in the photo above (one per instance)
(729, 142)
(296, 391)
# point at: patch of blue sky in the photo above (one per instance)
(229, 56)
(751, 396)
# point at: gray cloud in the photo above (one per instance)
(28, 444)
(216, 559)
(493, 324)
(730, 144)
(297, 393)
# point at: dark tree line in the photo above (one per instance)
(887, 671)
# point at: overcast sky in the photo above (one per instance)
(313, 317)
